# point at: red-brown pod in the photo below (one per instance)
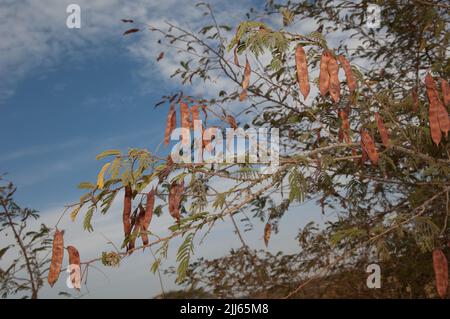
(333, 71)
(74, 267)
(351, 82)
(302, 71)
(170, 124)
(57, 257)
(267, 231)
(324, 76)
(382, 129)
(175, 195)
(369, 147)
(434, 110)
(150, 203)
(445, 92)
(126, 217)
(440, 265)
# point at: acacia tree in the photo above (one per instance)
(370, 145)
(24, 273)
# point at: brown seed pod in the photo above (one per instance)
(351, 82)
(369, 147)
(171, 123)
(243, 95)
(127, 211)
(134, 30)
(363, 153)
(74, 264)
(444, 123)
(57, 258)
(148, 216)
(185, 122)
(445, 92)
(324, 76)
(333, 71)
(247, 72)
(345, 126)
(139, 219)
(195, 114)
(441, 272)
(267, 231)
(175, 195)
(434, 110)
(382, 129)
(231, 121)
(302, 71)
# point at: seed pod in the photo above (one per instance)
(175, 194)
(333, 70)
(148, 216)
(441, 272)
(57, 258)
(415, 99)
(345, 126)
(382, 129)
(139, 219)
(231, 121)
(247, 72)
(351, 82)
(445, 92)
(127, 211)
(324, 76)
(363, 153)
(434, 110)
(74, 264)
(185, 122)
(302, 71)
(243, 95)
(195, 114)
(171, 123)
(267, 231)
(444, 123)
(369, 147)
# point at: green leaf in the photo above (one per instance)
(87, 219)
(101, 176)
(3, 251)
(86, 185)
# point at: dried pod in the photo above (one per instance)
(171, 123)
(243, 95)
(445, 92)
(148, 216)
(382, 129)
(74, 264)
(345, 130)
(195, 114)
(324, 76)
(302, 71)
(127, 211)
(175, 195)
(267, 231)
(369, 147)
(185, 122)
(441, 272)
(351, 82)
(363, 153)
(134, 30)
(444, 123)
(160, 57)
(247, 72)
(231, 121)
(57, 258)
(434, 110)
(333, 71)
(139, 219)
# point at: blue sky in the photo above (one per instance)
(67, 94)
